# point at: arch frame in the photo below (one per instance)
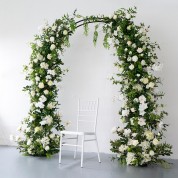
(139, 137)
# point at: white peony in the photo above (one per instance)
(139, 50)
(41, 85)
(49, 56)
(131, 67)
(52, 47)
(65, 32)
(141, 122)
(155, 141)
(135, 58)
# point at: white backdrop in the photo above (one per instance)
(89, 66)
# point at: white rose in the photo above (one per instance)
(122, 148)
(142, 99)
(54, 27)
(49, 56)
(132, 109)
(39, 57)
(46, 92)
(52, 47)
(32, 93)
(43, 122)
(41, 85)
(135, 58)
(51, 39)
(65, 32)
(125, 112)
(141, 122)
(127, 132)
(155, 141)
(139, 50)
(135, 142)
(131, 67)
(151, 85)
(145, 80)
(52, 136)
(152, 153)
(37, 79)
(50, 83)
(143, 62)
(46, 148)
(129, 43)
(149, 135)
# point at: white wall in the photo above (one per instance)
(89, 66)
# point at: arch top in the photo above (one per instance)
(139, 137)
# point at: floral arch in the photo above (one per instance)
(139, 139)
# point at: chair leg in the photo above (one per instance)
(75, 152)
(97, 150)
(60, 151)
(83, 138)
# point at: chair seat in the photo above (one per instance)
(76, 133)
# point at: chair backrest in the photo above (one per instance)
(87, 115)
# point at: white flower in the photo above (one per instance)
(141, 122)
(35, 60)
(155, 141)
(129, 43)
(51, 39)
(122, 148)
(149, 135)
(42, 99)
(109, 40)
(127, 132)
(49, 56)
(145, 145)
(137, 87)
(41, 85)
(19, 128)
(29, 151)
(135, 58)
(143, 62)
(44, 65)
(139, 50)
(131, 67)
(37, 129)
(27, 130)
(125, 112)
(146, 157)
(152, 153)
(130, 157)
(145, 80)
(120, 129)
(48, 119)
(46, 92)
(17, 138)
(120, 70)
(65, 32)
(47, 148)
(115, 32)
(52, 136)
(37, 79)
(52, 47)
(151, 85)
(51, 105)
(132, 109)
(50, 83)
(134, 134)
(40, 105)
(142, 108)
(43, 122)
(113, 130)
(54, 27)
(135, 142)
(51, 72)
(115, 17)
(39, 57)
(142, 99)
(12, 138)
(128, 16)
(29, 142)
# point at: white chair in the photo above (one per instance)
(87, 115)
